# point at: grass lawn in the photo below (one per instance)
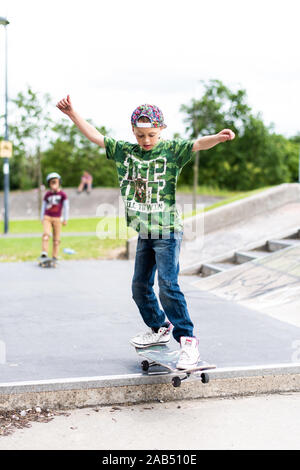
(86, 247)
(73, 225)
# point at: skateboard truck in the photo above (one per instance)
(45, 262)
(177, 379)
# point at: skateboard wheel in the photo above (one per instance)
(204, 378)
(176, 381)
(145, 365)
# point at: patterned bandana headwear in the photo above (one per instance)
(153, 113)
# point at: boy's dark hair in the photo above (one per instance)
(143, 119)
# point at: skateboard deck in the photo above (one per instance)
(167, 359)
(47, 263)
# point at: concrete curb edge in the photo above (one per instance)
(138, 388)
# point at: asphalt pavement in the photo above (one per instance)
(77, 320)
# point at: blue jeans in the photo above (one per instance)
(163, 255)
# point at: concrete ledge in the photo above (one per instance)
(243, 209)
(233, 213)
(138, 388)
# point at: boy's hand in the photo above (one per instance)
(208, 141)
(64, 222)
(65, 105)
(87, 129)
(225, 134)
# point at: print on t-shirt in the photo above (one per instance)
(142, 184)
(54, 203)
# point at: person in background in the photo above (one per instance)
(54, 207)
(85, 183)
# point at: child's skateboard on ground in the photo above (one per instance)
(163, 357)
(47, 262)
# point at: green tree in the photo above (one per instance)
(256, 158)
(30, 134)
(295, 139)
(70, 153)
(42, 146)
(219, 107)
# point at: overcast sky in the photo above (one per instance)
(112, 55)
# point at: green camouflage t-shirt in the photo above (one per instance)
(148, 182)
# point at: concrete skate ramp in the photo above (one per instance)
(269, 285)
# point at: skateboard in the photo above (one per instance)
(47, 263)
(163, 357)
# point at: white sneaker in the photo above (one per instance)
(189, 354)
(150, 338)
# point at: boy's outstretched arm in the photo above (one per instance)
(65, 106)
(209, 141)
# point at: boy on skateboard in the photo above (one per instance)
(148, 173)
(55, 205)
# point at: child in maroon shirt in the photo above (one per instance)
(55, 205)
